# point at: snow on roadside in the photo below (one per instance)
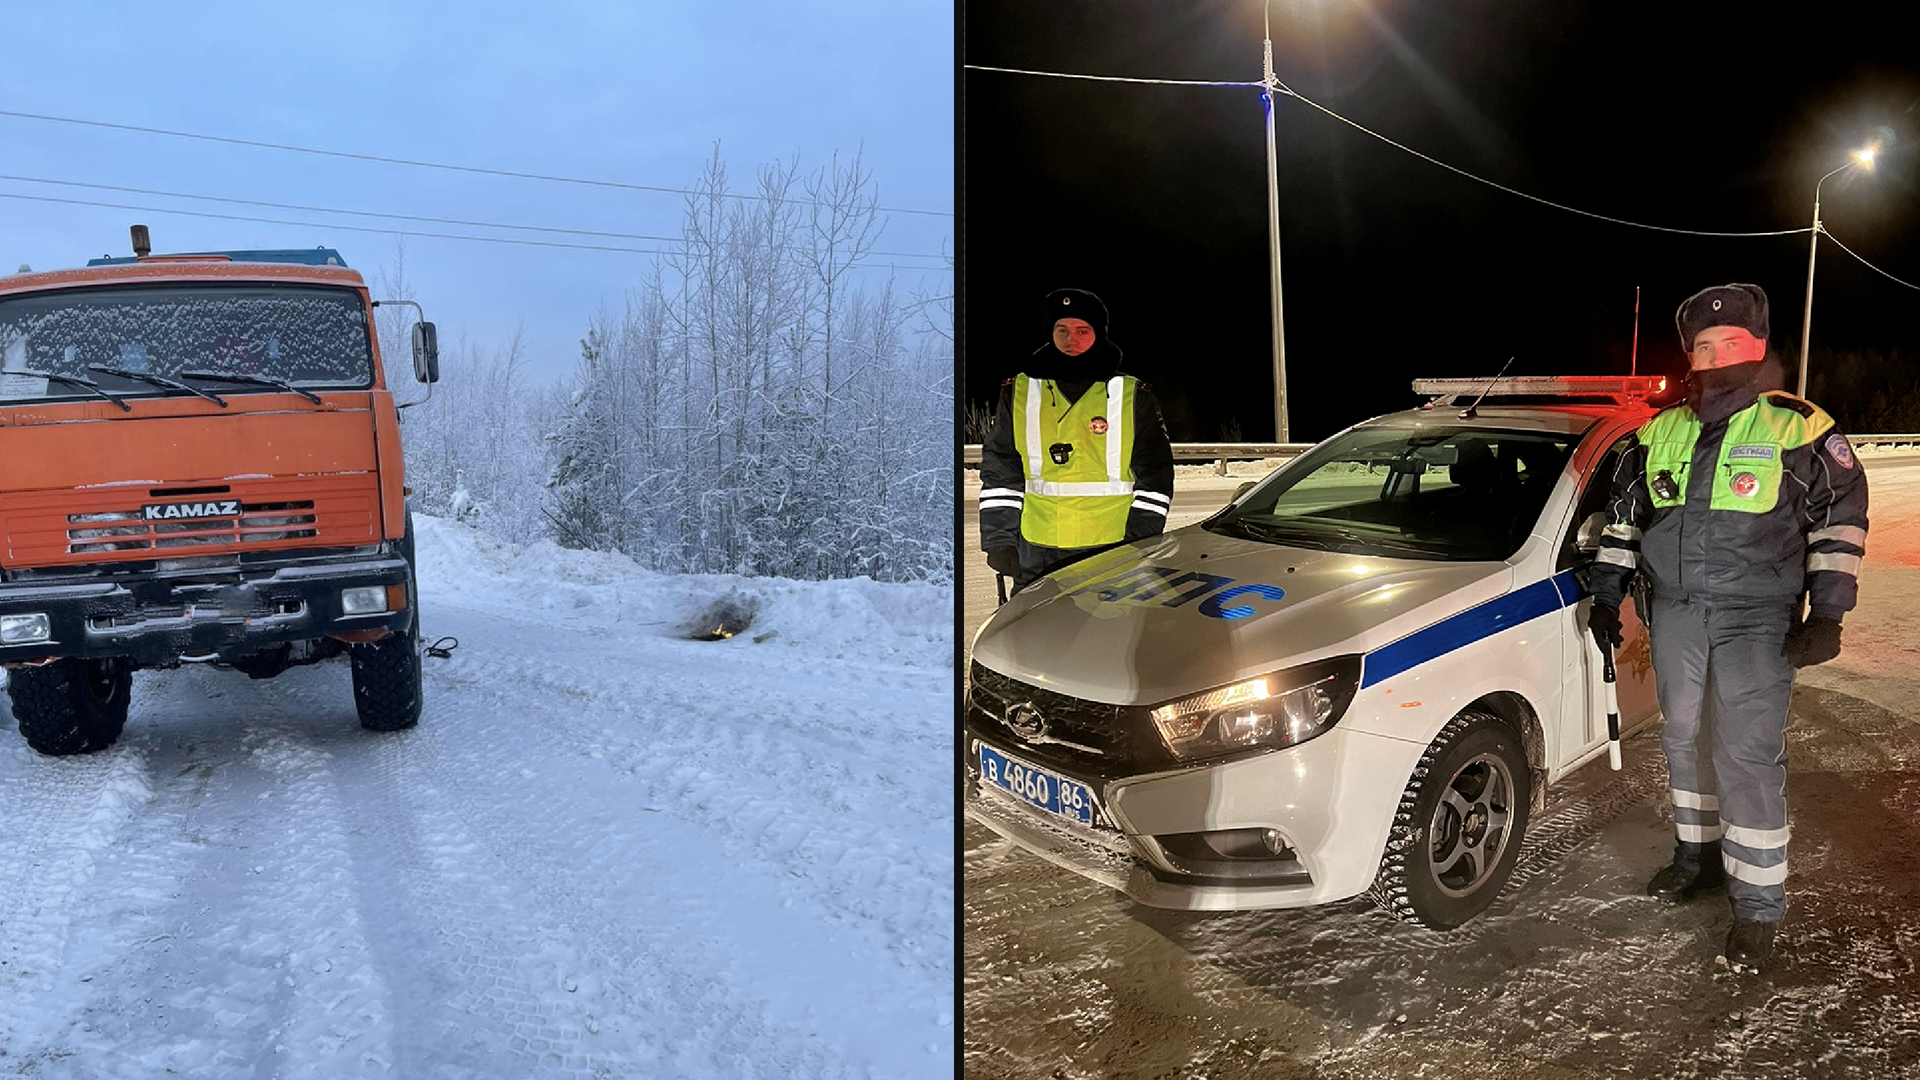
(860, 620)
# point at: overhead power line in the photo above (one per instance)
(1109, 78)
(395, 217)
(480, 170)
(1865, 263)
(389, 232)
(1289, 91)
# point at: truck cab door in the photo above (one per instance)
(1583, 720)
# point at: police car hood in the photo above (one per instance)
(1156, 619)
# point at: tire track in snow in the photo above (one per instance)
(59, 818)
(632, 902)
(225, 944)
(653, 728)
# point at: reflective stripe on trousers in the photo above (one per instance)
(1724, 689)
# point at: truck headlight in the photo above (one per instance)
(1283, 709)
(363, 600)
(25, 629)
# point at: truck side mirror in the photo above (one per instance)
(426, 352)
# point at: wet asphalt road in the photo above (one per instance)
(1572, 973)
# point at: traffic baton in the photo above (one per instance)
(1000, 582)
(1613, 706)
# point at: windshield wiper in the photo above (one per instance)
(158, 380)
(71, 380)
(1271, 534)
(253, 380)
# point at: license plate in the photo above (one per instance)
(1038, 787)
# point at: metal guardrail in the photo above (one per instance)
(1191, 452)
(1225, 452)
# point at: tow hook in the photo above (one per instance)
(442, 649)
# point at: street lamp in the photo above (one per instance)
(1281, 433)
(1863, 159)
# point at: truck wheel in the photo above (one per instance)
(386, 673)
(386, 682)
(1457, 832)
(71, 706)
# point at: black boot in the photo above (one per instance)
(1749, 944)
(1677, 883)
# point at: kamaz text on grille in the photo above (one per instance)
(218, 508)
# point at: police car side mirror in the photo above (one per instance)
(426, 352)
(1587, 539)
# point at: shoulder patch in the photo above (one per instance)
(1839, 450)
(1787, 401)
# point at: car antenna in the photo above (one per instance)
(1469, 412)
(1633, 362)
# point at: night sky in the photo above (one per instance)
(1691, 116)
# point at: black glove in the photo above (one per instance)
(1604, 622)
(1004, 560)
(1815, 641)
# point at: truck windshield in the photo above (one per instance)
(1426, 493)
(299, 335)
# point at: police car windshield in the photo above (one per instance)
(1426, 493)
(297, 335)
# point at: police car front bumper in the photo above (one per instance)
(1330, 802)
(159, 619)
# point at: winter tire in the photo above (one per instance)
(386, 673)
(71, 706)
(1459, 824)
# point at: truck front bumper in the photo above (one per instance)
(157, 620)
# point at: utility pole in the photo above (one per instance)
(1281, 431)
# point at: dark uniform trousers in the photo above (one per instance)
(1724, 689)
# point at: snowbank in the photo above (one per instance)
(909, 625)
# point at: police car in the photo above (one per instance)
(1362, 673)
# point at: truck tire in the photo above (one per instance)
(386, 673)
(1457, 830)
(71, 706)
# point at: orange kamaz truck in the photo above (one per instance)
(199, 463)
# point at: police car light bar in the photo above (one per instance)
(1621, 387)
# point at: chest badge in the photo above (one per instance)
(1097, 425)
(1746, 485)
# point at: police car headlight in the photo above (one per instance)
(1283, 709)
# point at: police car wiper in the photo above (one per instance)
(71, 380)
(1273, 534)
(252, 380)
(157, 380)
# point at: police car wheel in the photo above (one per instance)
(1458, 827)
(71, 706)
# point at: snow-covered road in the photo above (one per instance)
(607, 851)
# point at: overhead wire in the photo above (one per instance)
(396, 232)
(1289, 91)
(396, 217)
(383, 159)
(1828, 233)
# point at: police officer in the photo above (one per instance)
(1078, 459)
(1734, 506)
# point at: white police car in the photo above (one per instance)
(1363, 672)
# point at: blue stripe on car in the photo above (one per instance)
(1471, 625)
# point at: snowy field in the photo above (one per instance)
(608, 850)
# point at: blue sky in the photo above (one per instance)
(636, 92)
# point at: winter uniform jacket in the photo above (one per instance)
(1003, 474)
(1762, 504)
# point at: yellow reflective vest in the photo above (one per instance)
(1079, 461)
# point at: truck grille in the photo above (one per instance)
(123, 530)
(1086, 739)
(105, 526)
